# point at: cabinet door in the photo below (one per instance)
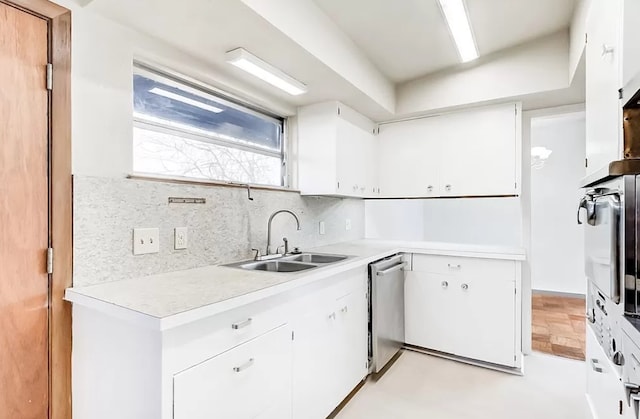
(250, 381)
(430, 311)
(370, 147)
(315, 371)
(352, 342)
(605, 391)
(409, 158)
(479, 152)
(351, 158)
(485, 311)
(603, 79)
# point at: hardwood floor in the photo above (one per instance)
(559, 325)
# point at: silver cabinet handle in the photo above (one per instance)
(430, 188)
(447, 188)
(244, 366)
(444, 284)
(595, 366)
(394, 268)
(465, 286)
(344, 309)
(332, 316)
(240, 325)
(607, 49)
(458, 266)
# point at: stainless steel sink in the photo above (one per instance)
(316, 258)
(276, 266)
(291, 263)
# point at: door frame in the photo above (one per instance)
(60, 201)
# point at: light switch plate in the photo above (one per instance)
(347, 224)
(180, 238)
(146, 240)
(322, 230)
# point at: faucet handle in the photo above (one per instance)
(257, 255)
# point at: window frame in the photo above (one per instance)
(195, 87)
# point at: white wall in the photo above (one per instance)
(538, 66)
(489, 221)
(557, 242)
(102, 56)
(394, 219)
(484, 221)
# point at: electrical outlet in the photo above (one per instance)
(347, 224)
(180, 238)
(322, 230)
(146, 240)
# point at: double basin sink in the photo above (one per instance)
(291, 263)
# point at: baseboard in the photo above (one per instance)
(557, 294)
(488, 365)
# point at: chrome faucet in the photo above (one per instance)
(269, 228)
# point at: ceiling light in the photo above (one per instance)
(458, 21)
(248, 62)
(188, 101)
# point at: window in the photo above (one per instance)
(183, 130)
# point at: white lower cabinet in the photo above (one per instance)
(329, 351)
(465, 306)
(606, 396)
(252, 380)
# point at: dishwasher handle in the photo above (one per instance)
(394, 268)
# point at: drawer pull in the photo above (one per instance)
(344, 309)
(332, 316)
(240, 325)
(444, 284)
(464, 286)
(244, 366)
(458, 266)
(594, 365)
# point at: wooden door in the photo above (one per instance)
(24, 213)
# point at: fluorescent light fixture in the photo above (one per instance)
(458, 21)
(248, 62)
(188, 101)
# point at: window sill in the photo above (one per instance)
(204, 182)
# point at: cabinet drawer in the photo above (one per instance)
(250, 381)
(452, 265)
(198, 341)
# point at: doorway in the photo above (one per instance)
(35, 209)
(557, 242)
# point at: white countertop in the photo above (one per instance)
(171, 299)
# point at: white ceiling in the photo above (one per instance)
(407, 39)
(206, 33)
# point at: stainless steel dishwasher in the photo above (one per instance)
(386, 310)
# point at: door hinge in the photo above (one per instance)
(49, 76)
(586, 37)
(50, 260)
(293, 336)
(620, 93)
(338, 110)
(586, 162)
(515, 185)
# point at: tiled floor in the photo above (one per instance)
(420, 386)
(559, 325)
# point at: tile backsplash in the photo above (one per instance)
(106, 210)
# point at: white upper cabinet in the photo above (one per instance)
(470, 153)
(409, 159)
(336, 152)
(603, 80)
(630, 44)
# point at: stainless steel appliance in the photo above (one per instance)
(386, 310)
(609, 210)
